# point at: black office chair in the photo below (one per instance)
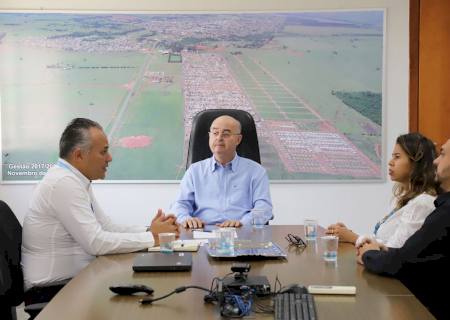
(11, 276)
(198, 142)
(11, 281)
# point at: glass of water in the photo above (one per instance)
(310, 229)
(330, 248)
(166, 242)
(212, 242)
(225, 241)
(258, 218)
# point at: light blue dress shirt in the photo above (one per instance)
(215, 193)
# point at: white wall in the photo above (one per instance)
(360, 205)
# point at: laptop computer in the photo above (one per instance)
(156, 261)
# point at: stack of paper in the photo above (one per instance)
(183, 245)
(207, 235)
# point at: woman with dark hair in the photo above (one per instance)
(411, 167)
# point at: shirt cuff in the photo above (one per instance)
(361, 239)
(246, 219)
(182, 218)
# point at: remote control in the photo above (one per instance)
(131, 289)
(318, 289)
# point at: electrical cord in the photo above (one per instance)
(216, 293)
(177, 290)
(232, 305)
(277, 283)
(237, 306)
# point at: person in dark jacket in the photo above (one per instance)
(423, 263)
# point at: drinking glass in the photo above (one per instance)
(330, 248)
(310, 229)
(166, 242)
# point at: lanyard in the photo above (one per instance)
(379, 223)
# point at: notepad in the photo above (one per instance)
(183, 245)
(202, 234)
(207, 235)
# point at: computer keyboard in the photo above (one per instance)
(295, 306)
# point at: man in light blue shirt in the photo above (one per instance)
(224, 188)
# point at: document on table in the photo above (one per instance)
(206, 235)
(183, 245)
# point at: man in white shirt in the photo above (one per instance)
(65, 228)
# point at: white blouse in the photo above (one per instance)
(65, 228)
(403, 223)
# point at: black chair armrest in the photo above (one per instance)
(37, 297)
(34, 309)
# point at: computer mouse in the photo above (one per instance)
(294, 288)
(131, 289)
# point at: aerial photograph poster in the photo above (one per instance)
(313, 82)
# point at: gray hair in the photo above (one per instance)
(76, 135)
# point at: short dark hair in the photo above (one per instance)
(76, 135)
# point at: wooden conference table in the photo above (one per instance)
(87, 296)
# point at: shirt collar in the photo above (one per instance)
(67, 166)
(233, 164)
(441, 199)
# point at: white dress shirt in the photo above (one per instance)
(65, 228)
(403, 223)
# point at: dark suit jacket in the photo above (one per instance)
(423, 263)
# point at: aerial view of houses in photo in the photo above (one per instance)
(311, 80)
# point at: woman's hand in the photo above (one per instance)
(342, 232)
